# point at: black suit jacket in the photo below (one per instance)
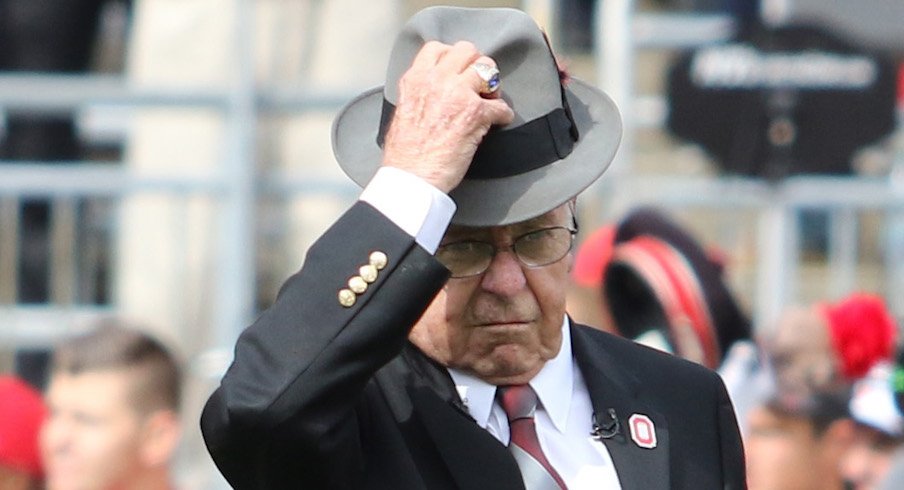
(325, 396)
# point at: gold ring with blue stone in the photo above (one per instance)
(490, 76)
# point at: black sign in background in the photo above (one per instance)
(790, 100)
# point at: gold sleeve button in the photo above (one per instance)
(347, 298)
(378, 259)
(357, 284)
(368, 273)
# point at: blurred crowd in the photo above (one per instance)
(819, 392)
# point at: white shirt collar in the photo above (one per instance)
(554, 385)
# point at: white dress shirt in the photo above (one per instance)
(418, 208)
(563, 419)
(564, 414)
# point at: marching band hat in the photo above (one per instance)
(661, 278)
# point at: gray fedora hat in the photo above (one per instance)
(562, 138)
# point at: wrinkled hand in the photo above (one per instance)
(441, 116)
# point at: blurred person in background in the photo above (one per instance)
(114, 396)
(22, 412)
(797, 436)
(796, 449)
(879, 427)
(828, 346)
(663, 288)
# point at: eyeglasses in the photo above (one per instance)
(537, 248)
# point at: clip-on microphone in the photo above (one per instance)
(609, 429)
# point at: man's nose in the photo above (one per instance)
(505, 274)
(855, 464)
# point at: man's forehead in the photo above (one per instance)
(93, 387)
(784, 420)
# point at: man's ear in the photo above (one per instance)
(162, 432)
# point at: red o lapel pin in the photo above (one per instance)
(643, 432)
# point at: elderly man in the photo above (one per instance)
(411, 353)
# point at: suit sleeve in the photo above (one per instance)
(289, 407)
(731, 446)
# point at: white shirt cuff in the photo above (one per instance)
(418, 208)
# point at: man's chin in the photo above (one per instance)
(506, 365)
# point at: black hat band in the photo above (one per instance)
(514, 151)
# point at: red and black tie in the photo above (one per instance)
(519, 403)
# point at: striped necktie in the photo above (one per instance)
(519, 403)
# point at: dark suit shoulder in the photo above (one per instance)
(686, 401)
(640, 360)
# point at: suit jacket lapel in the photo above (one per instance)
(611, 387)
(474, 458)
